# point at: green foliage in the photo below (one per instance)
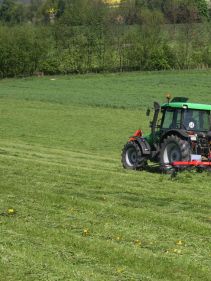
(50, 64)
(22, 49)
(202, 7)
(12, 12)
(59, 49)
(157, 60)
(87, 36)
(90, 12)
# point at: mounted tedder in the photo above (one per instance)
(180, 138)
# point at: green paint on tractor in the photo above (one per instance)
(181, 105)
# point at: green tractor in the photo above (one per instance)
(180, 136)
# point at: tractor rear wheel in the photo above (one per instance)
(132, 157)
(174, 149)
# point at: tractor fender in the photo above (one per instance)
(180, 133)
(144, 145)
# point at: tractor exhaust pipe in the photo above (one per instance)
(155, 118)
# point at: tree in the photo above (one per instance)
(184, 11)
(61, 7)
(34, 10)
(202, 6)
(11, 11)
(171, 10)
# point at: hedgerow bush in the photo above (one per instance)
(22, 49)
(27, 49)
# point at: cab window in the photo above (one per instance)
(197, 120)
(171, 119)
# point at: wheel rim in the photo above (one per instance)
(131, 156)
(172, 153)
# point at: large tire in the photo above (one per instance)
(132, 157)
(174, 149)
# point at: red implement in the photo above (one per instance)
(191, 163)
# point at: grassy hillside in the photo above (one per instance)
(79, 215)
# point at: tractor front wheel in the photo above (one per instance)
(174, 149)
(132, 157)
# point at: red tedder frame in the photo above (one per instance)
(191, 163)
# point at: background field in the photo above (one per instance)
(79, 215)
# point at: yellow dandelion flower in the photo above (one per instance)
(10, 211)
(137, 242)
(179, 242)
(177, 251)
(86, 232)
(119, 270)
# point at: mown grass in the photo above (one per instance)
(79, 215)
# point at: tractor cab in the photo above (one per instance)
(184, 116)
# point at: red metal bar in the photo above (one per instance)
(191, 163)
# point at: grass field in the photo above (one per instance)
(79, 215)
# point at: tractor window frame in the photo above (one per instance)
(175, 124)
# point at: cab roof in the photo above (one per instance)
(187, 105)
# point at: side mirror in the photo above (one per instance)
(148, 112)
